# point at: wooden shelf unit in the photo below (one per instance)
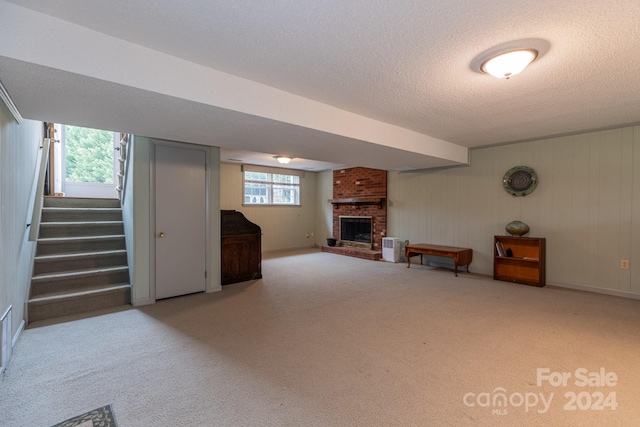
(526, 266)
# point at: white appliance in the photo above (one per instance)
(391, 249)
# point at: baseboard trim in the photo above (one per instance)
(584, 288)
(214, 288)
(299, 248)
(139, 302)
(612, 292)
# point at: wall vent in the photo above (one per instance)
(5, 339)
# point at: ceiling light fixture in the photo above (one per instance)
(507, 64)
(283, 159)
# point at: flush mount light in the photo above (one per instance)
(507, 64)
(283, 159)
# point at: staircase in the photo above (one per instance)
(81, 258)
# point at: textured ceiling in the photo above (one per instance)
(405, 63)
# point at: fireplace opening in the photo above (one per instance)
(356, 231)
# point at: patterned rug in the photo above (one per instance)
(100, 417)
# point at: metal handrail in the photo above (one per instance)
(37, 190)
(123, 166)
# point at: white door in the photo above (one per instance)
(180, 217)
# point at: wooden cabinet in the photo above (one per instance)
(526, 266)
(241, 248)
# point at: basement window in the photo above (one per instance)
(271, 186)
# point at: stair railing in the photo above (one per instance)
(37, 190)
(123, 165)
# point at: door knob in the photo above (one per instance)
(161, 234)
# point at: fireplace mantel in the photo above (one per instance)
(357, 201)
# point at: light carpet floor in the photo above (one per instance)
(328, 340)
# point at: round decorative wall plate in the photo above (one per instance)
(520, 181)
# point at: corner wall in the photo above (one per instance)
(324, 217)
(136, 211)
(587, 206)
(19, 149)
(283, 227)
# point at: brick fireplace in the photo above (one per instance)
(360, 193)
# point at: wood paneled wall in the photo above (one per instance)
(587, 205)
(19, 149)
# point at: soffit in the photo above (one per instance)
(406, 63)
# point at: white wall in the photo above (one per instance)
(19, 149)
(126, 201)
(324, 219)
(283, 227)
(136, 210)
(587, 206)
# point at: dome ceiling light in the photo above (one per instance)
(283, 160)
(507, 64)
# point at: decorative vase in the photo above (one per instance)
(331, 241)
(517, 228)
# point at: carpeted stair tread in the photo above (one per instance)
(80, 244)
(79, 273)
(79, 302)
(80, 228)
(61, 262)
(77, 281)
(66, 224)
(67, 256)
(80, 209)
(81, 258)
(58, 214)
(79, 238)
(80, 202)
(89, 290)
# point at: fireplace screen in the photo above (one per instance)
(356, 231)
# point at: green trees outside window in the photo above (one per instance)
(89, 155)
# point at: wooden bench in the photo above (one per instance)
(461, 256)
